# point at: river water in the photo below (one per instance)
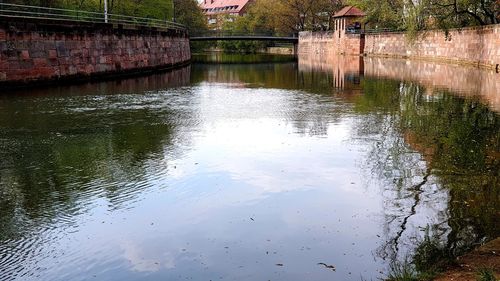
(249, 168)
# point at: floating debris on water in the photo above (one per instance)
(327, 266)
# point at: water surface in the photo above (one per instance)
(264, 171)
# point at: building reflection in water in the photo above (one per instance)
(347, 70)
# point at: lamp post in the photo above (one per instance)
(106, 11)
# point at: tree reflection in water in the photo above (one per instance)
(57, 155)
(429, 161)
(435, 152)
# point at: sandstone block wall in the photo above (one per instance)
(479, 45)
(316, 43)
(44, 51)
(352, 44)
(330, 43)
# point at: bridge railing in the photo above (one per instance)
(35, 12)
(225, 33)
(369, 31)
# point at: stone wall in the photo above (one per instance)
(314, 43)
(336, 42)
(479, 46)
(45, 51)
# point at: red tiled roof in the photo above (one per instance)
(349, 11)
(223, 6)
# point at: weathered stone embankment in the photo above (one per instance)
(44, 51)
(478, 46)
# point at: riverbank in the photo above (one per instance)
(469, 266)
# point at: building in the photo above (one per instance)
(219, 11)
(348, 19)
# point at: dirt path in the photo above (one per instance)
(486, 256)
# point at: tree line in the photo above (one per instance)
(416, 15)
(292, 16)
(154, 9)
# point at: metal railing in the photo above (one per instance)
(228, 33)
(369, 31)
(35, 12)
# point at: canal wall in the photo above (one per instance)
(328, 43)
(45, 51)
(475, 46)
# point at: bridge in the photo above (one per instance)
(45, 13)
(235, 36)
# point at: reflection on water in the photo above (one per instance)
(434, 77)
(246, 172)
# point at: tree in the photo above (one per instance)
(382, 14)
(415, 15)
(460, 13)
(189, 13)
(300, 15)
(155, 9)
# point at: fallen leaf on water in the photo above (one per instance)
(327, 266)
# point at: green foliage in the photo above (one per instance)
(431, 256)
(485, 274)
(414, 16)
(241, 25)
(461, 13)
(402, 271)
(157, 9)
(382, 14)
(189, 13)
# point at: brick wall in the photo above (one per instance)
(316, 43)
(330, 43)
(478, 46)
(44, 51)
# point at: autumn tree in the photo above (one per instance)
(291, 16)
